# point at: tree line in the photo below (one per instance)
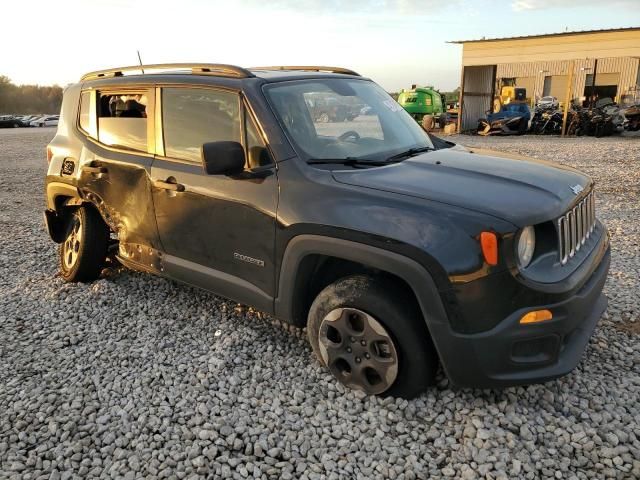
(28, 99)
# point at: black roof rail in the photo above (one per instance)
(310, 68)
(215, 69)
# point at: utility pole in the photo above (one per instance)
(567, 98)
(593, 84)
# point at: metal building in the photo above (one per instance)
(602, 63)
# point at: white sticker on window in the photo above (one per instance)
(392, 105)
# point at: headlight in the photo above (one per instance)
(526, 246)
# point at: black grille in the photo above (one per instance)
(575, 227)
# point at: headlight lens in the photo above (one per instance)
(526, 246)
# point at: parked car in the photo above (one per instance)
(367, 110)
(27, 119)
(548, 102)
(326, 108)
(9, 121)
(396, 250)
(47, 121)
(512, 119)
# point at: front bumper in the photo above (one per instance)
(513, 354)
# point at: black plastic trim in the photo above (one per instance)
(221, 283)
(54, 224)
(410, 271)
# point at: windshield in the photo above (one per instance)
(344, 118)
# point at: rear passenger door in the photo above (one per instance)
(115, 166)
(217, 231)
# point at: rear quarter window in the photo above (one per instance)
(87, 114)
(122, 120)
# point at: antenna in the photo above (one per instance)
(140, 60)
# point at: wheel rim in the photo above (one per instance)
(71, 245)
(358, 350)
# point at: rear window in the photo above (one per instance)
(122, 120)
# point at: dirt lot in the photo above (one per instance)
(134, 376)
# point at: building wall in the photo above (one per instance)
(553, 48)
(477, 84)
(626, 68)
(532, 59)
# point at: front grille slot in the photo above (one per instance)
(575, 227)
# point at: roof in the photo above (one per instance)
(217, 70)
(281, 75)
(544, 35)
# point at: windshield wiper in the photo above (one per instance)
(409, 153)
(374, 163)
(346, 161)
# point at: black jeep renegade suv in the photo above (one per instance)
(395, 249)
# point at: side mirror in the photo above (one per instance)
(223, 158)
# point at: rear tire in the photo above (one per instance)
(362, 358)
(84, 249)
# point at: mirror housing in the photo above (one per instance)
(223, 158)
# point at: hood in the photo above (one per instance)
(516, 189)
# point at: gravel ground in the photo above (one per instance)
(135, 376)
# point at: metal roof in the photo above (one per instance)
(559, 34)
(212, 69)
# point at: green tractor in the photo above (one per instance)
(421, 101)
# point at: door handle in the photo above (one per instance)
(171, 186)
(93, 170)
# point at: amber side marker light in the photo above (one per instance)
(536, 317)
(489, 244)
(49, 154)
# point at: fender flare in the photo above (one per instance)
(54, 219)
(57, 189)
(414, 274)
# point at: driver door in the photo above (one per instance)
(217, 232)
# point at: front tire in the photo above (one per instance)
(370, 334)
(84, 249)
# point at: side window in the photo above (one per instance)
(85, 109)
(194, 116)
(122, 120)
(257, 153)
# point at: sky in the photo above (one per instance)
(396, 43)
